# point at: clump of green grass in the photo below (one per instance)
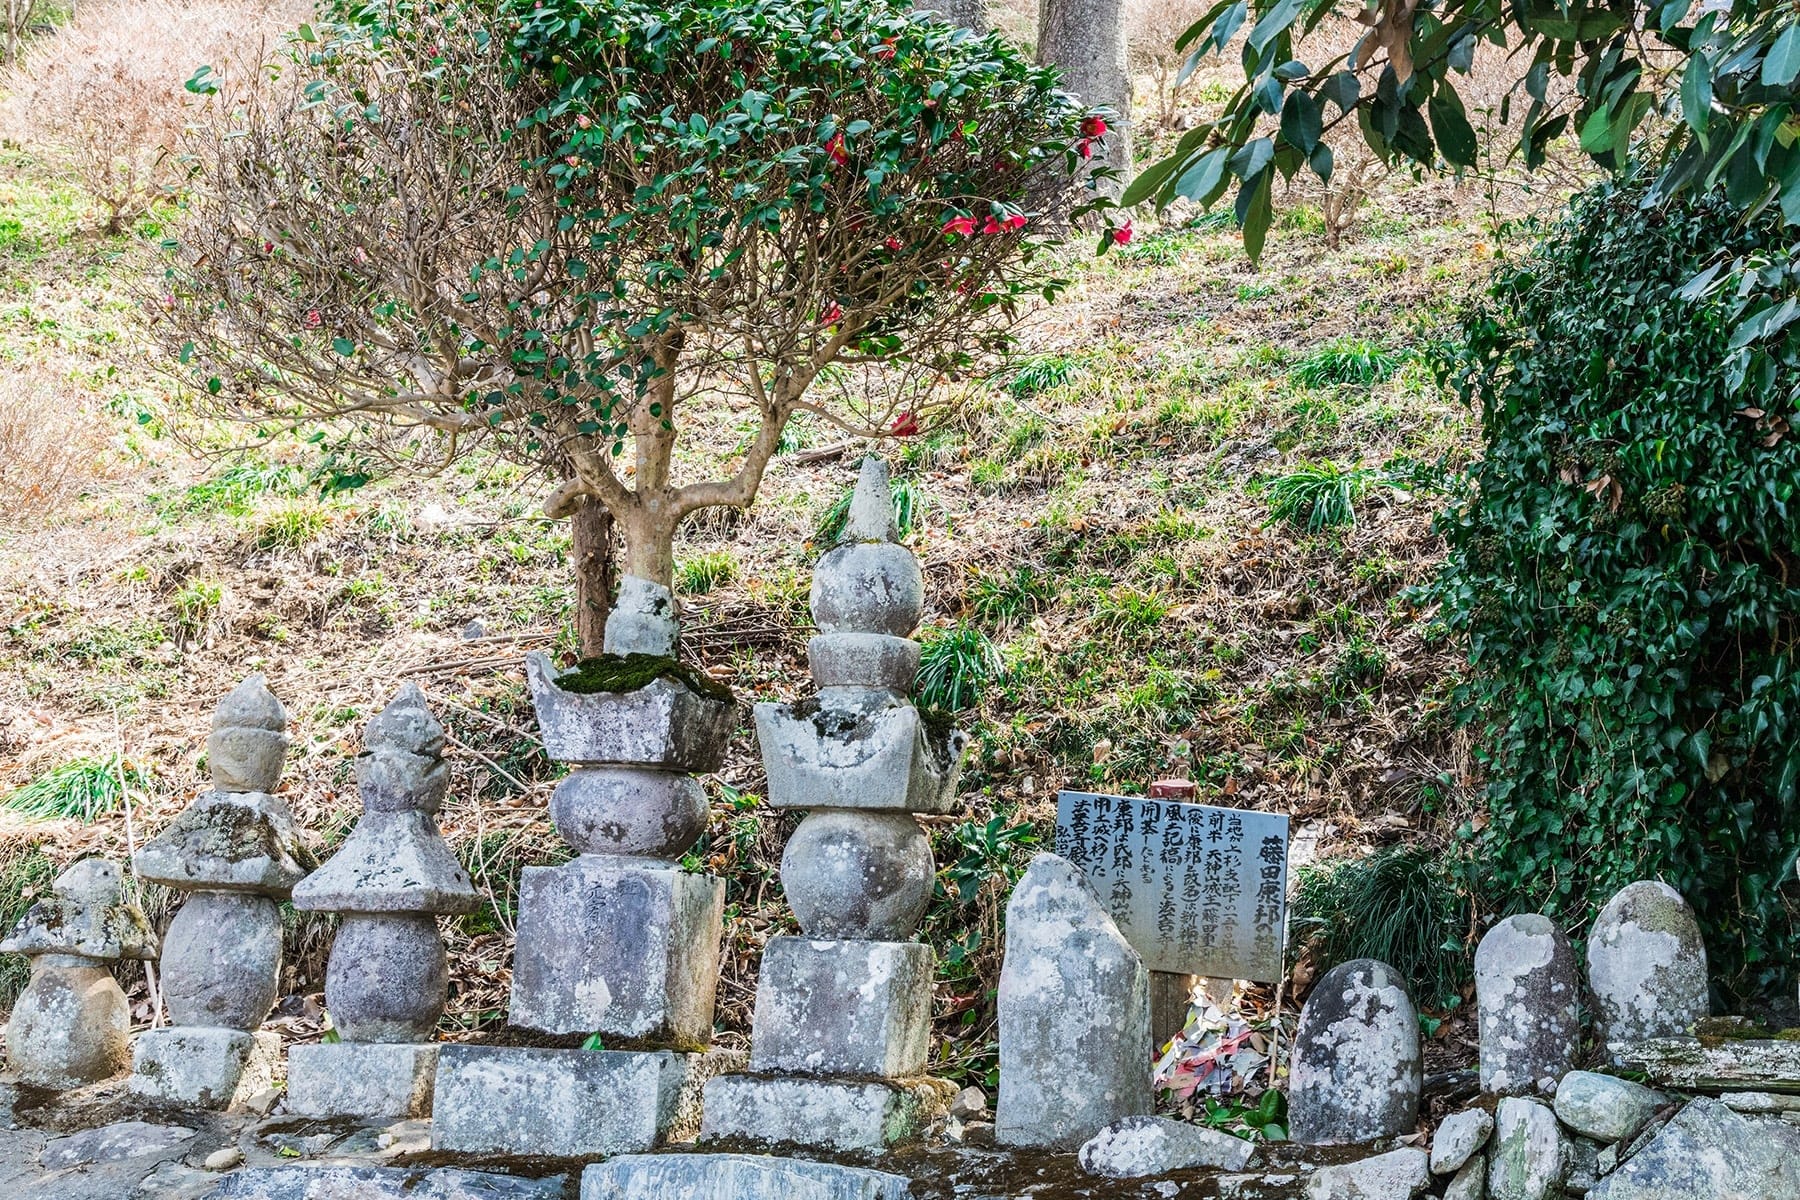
(910, 506)
(1346, 362)
(954, 667)
(289, 526)
(1318, 496)
(704, 572)
(239, 487)
(196, 603)
(1041, 374)
(1008, 599)
(80, 789)
(1412, 907)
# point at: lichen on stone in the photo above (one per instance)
(613, 673)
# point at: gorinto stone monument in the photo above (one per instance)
(235, 850)
(1197, 890)
(843, 1013)
(388, 979)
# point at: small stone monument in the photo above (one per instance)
(621, 942)
(1074, 1014)
(843, 1013)
(71, 1025)
(1356, 1071)
(1647, 964)
(1528, 995)
(236, 852)
(388, 979)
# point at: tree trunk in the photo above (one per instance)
(1086, 41)
(591, 531)
(963, 14)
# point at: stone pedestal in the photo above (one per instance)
(626, 947)
(236, 851)
(843, 1015)
(735, 1177)
(199, 1066)
(368, 1081)
(70, 1026)
(556, 1103)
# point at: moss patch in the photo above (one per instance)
(630, 672)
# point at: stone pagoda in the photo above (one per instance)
(843, 1014)
(236, 852)
(621, 945)
(71, 1026)
(388, 977)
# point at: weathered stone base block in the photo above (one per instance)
(628, 947)
(827, 1113)
(558, 1103)
(842, 1008)
(203, 1066)
(381, 1183)
(735, 1177)
(367, 1080)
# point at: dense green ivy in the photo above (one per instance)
(1626, 567)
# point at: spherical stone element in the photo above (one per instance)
(858, 874)
(1356, 1070)
(248, 743)
(868, 587)
(388, 978)
(623, 810)
(1527, 992)
(70, 1027)
(221, 961)
(1647, 964)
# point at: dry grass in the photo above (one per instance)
(51, 449)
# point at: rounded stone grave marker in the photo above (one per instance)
(1356, 1069)
(1647, 964)
(1527, 994)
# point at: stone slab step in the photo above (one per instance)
(735, 1177)
(382, 1183)
(1715, 1065)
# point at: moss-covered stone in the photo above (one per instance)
(630, 672)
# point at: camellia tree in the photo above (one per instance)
(569, 230)
(1706, 91)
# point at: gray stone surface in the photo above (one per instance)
(368, 1081)
(1528, 1158)
(392, 862)
(221, 962)
(842, 1008)
(1470, 1182)
(1602, 1107)
(834, 1114)
(1459, 1138)
(1584, 1166)
(868, 751)
(1396, 1175)
(1074, 1014)
(735, 1177)
(863, 660)
(628, 947)
(123, 1139)
(1356, 1069)
(1708, 1152)
(383, 1183)
(228, 841)
(1760, 1102)
(662, 725)
(643, 620)
(560, 1103)
(1528, 994)
(1137, 1146)
(71, 1025)
(868, 587)
(203, 1067)
(248, 743)
(1647, 964)
(1727, 1064)
(854, 874)
(625, 810)
(85, 914)
(388, 977)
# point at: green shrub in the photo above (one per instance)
(1623, 567)
(1318, 495)
(705, 571)
(954, 665)
(1409, 906)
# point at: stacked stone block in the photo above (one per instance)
(842, 1022)
(621, 942)
(71, 1026)
(236, 852)
(388, 978)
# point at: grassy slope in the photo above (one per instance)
(1101, 513)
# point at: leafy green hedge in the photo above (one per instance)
(1626, 567)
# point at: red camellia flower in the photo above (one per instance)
(893, 244)
(905, 425)
(574, 160)
(584, 121)
(1122, 234)
(963, 225)
(993, 226)
(1086, 147)
(886, 49)
(831, 316)
(1016, 221)
(1093, 126)
(835, 148)
(313, 319)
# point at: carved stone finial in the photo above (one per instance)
(402, 765)
(249, 741)
(871, 506)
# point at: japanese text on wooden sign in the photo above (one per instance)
(1197, 890)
